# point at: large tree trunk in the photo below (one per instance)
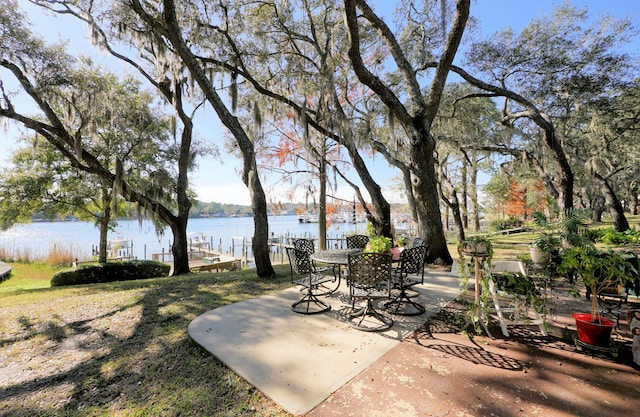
(565, 173)
(616, 211)
(179, 248)
(250, 171)
(598, 208)
(259, 245)
(453, 204)
(475, 209)
(322, 212)
(104, 222)
(465, 194)
(425, 187)
(416, 125)
(102, 245)
(179, 227)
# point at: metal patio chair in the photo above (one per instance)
(369, 280)
(410, 272)
(305, 245)
(311, 280)
(357, 241)
(327, 287)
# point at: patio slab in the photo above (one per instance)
(298, 360)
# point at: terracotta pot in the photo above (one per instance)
(594, 330)
(395, 253)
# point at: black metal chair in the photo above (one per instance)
(369, 279)
(328, 287)
(311, 280)
(357, 241)
(305, 245)
(411, 262)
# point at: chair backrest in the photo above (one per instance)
(369, 269)
(305, 245)
(299, 261)
(357, 241)
(412, 260)
(415, 241)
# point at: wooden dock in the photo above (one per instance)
(5, 271)
(204, 261)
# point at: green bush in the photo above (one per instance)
(109, 272)
(378, 244)
(497, 225)
(611, 237)
(593, 235)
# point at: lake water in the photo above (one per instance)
(38, 239)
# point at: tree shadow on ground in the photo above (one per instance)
(143, 362)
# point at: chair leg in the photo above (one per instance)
(404, 299)
(369, 311)
(310, 299)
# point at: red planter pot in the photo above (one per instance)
(594, 330)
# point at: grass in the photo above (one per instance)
(28, 276)
(122, 349)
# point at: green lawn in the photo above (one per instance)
(121, 349)
(28, 276)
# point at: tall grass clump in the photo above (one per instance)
(59, 255)
(10, 255)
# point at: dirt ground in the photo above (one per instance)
(442, 371)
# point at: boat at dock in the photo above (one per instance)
(308, 218)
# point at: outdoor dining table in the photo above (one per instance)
(334, 256)
(339, 258)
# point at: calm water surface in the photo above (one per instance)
(38, 239)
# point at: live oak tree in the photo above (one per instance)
(555, 65)
(294, 60)
(41, 182)
(609, 157)
(462, 128)
(165, 61)
(410, 108)
(69, 119)
(173, 37)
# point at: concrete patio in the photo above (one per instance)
(299, 360)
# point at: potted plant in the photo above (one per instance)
(475, 246)
(396, 251)
(480, 250)
(546, 244)
(378, 244)
(596, 270)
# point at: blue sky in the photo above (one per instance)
(217, 180)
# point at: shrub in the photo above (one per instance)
(611, 237)
(497, 225)
(378, 244)
(109, 272)
(593, 235)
